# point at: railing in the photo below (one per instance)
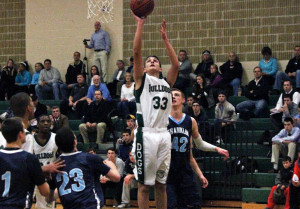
(226, 179)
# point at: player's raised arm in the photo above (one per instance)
(173, 71)
(138, 68)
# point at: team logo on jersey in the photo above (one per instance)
(160, 173)
(139, 155)
(159, 88)
(45, 155)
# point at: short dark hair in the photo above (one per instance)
(197, 102)
(11, 128)
(287, 81)
(182, 50)
(77, 53)
(98, 90)
(80, 75)
(288, 119)
(64, 139)
(55, 107)
(19, 103)
(155, 57)
(40, 64)
(286, 158)
(131, 59)
(256, 68)
(266, 50)
(43, 115)
(111, 149)
(48, 60)
(121, 61)
(175, 89)
(126, 131)
(287, 96)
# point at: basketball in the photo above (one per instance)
(142, 8)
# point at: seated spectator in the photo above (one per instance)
(23, 78)
(94, 71)
(292, 72)
(58, 120)
(295, 185)
(39, 109)
(129, 182)
(75, 68)
(130, 122)
(225, 116)
(282, 181)
(8, 76)
(269, 66)
(50, 81)
(200, 91)
(125, 145)
(187, 108)
(257, 93)
(114, 87)
(204, 66)
(216, 82)
(285, 142)
(289, 110)
(35, 77)
(127, 102)
(77, 98)
(105, 94)
(202, 120)
(185, 69)
(297, 118)
(130, 67)
(106, 183)
(232, 71)
(95, 118)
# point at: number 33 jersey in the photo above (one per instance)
(153, 102)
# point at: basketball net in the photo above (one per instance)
(100, 10)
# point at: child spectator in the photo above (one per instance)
(125, 145)
(282, 181)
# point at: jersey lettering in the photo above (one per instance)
(6, 177)
(158, 104)
(75, 173)
(181, 148)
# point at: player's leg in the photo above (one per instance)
(143, 196)
(84, 132)
(100, 132)
(160, 195)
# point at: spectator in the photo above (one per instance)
(187, 108)
(216, 82)
(127, 102)
(257, 93)
(8, 76)
(23, 78)
(97, 86)
(129, 182)
(269, 66)
(185, 69)
(94, 71)
(75, 68)
(285, 141)
(204, 66)
(95, 118)
(225, 116)
(125, 145)
(289, 110)
(199, 92)
(130, 122)
(297, 118)
(202, 120)
(39, 109)
(77, 98)
(282, 181)
(130, 68)
(35, 77)
(232, 71)
(292, 72)
(58, 120)
(276, 113)
(295, 185)
(101, 43)
(106, 183)
(50, 80)
(117, 80)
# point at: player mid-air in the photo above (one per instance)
(152, 142)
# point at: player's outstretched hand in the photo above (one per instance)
(163, 30)
(204, 181)
(138, 19)
(54, 167)
(223, 152)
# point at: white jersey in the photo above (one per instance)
(45, 153)
(153, 102)
(27, 146)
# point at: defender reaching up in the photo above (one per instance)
(152, 143)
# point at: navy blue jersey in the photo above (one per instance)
(181, 132)
(78, 186)
(20, 171)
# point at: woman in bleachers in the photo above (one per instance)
(94, 71)
(23, 78)
(127, 100)
(200, 92)
(8, 75)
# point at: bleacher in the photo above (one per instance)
(244, 143)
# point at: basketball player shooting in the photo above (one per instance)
(152, 142)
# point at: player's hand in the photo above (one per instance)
(163, 30)
(103, 179)
(54, 167)
(223, 152)
(127, 180)
(138, 19)
(204, 181)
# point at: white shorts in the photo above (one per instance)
(41, 202)
(152, 153)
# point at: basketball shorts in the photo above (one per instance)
(152, 152)
(41, 202)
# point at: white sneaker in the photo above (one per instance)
(124, 205)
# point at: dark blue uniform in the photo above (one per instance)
(181, 186)
(79, 186)
(20, 171)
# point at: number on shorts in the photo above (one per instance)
(157, 103)
(175, 144)
(75, 173)
(6, 177)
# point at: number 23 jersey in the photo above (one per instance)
(153, 102)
